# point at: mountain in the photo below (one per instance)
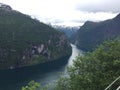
(5, 7)
(91, 34)
(69, 31)
(25, 41)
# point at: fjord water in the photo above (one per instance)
(46, 73)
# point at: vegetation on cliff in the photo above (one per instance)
(25, 41)
(92, 34)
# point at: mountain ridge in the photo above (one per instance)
(25, 41)
(91, 34)
(68, 30)
(5, 7)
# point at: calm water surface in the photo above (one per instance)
(44, 73)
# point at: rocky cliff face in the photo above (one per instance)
(25, 41)
(42, 52)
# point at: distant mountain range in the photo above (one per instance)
(68, 30)
(25, 41)
(92, 34)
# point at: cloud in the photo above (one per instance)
(99, 6)
(67, 12)
(76, 18)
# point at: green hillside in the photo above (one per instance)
(25, 41)
(91, 34)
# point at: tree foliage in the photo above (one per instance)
(32, 85)
(94, 71)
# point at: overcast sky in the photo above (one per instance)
(67, 12)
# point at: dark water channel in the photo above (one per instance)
(44, 73)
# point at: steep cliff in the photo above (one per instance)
(91, 34)
(25, 41)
